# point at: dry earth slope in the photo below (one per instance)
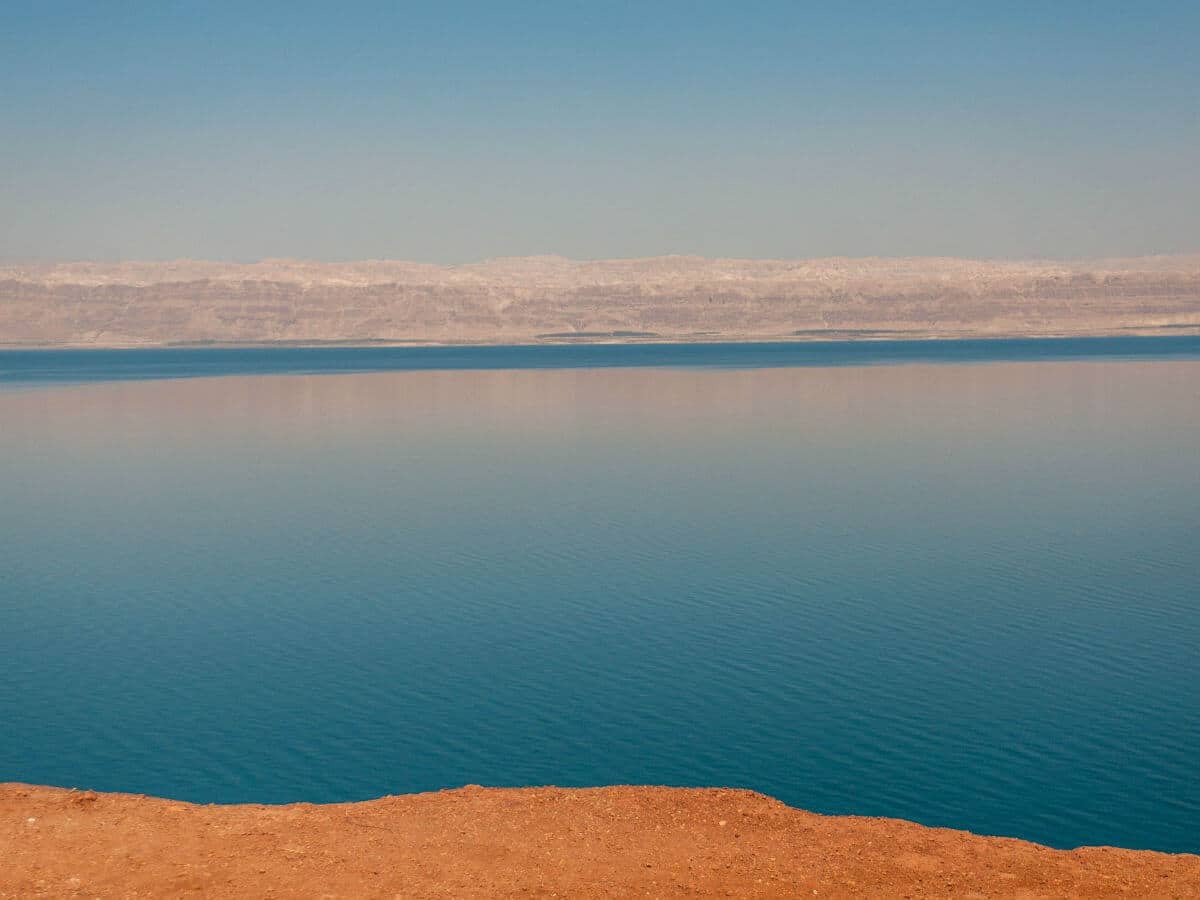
(544, 299)
(609, 841)
(479, 842)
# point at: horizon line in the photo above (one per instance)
(560, 258)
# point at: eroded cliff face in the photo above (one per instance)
(553, 299)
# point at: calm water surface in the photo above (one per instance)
(965, 594)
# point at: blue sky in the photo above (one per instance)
(451, 132)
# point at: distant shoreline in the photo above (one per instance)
(809, 337)
(538, 300)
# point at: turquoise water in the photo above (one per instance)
(33, 367)
(960, 587)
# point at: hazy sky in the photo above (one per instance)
(454, 131)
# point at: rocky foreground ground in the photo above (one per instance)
(550, 299)
(535, 842)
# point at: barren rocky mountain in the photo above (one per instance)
(553, 299)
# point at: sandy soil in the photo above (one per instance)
(544, 842)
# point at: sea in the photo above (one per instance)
(956, 582)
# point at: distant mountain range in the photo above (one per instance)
(551, 299)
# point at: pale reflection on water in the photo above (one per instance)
(992, 397)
